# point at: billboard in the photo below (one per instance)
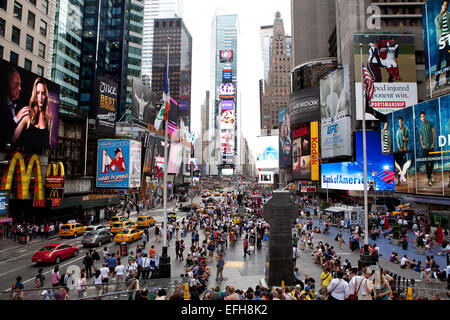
(227, 119)
(119, 164)
(436, 19)
(305, 106)
(175, 157)
(142, 107)
(227, 91)
(227, 142)
(285, 137)
(226, 56)
(29, 110)
(226, 105)
(391, 60)
(148, 160)
(227, 75)
(350, 175)
(419, 139)
(4, 204)
(266, 152)
(305, 151)
(227, 172)
(107, 101)
(158, 153)
(265, 177)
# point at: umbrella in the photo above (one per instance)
(386, 223)
(439, 235)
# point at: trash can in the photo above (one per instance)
(123, 249)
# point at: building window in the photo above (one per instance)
(41, 51)
(15, 35)
(31, 19)
(29, 43)
(27, 64)
(40, 70)
(14, 58)
(45, 6)
(43, 28)
(17, 10)
(1, 52)
(32, 1)
(2, 27)
(3, 4)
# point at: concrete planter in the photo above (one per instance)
(420, 250)
(396, 242)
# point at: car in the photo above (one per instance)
(145, 222)
(217, 194)
(183, 198)
(171, 217)
(120, 226)
(95, 228)
(71, 230)
(116, 219)
(185, 208)
(55, 253)
(96, 238)
(128, 235)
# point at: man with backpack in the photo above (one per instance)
(17, 289)
(88, 263)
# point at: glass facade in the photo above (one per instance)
(67, 49)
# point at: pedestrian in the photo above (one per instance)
(158, 233)
(294, 255)
(181, 250)
(119, 270)
(220, 266)
(95, 257)
(145, 267)
(56, 278)
(177, 249)
(88, 263)
(98, 281)
(81, 284)
(361, 286)
(105, 275)
(17, 289)
(39, 281)
(337, 288)
(144, 240)
(245, 245)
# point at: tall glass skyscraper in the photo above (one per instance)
(224, 36)
(67, 49)
(155, 9)
(112, 46)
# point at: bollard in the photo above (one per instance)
(282, 284)
(186, 291)
(409, 294)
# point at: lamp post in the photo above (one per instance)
(374, 174)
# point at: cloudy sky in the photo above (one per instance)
(198, 16)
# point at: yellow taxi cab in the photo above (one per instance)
(128, 235)
(224, 194)
(71, 230)
(145, 222)
(116, 219)
(120, 226)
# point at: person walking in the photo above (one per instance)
(220, 266)
(81, 284)
(337, 289)
(245, 245)
(88, 263)
(56, 277)
(144, 239)
(39, 281)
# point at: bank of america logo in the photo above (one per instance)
(387, 176)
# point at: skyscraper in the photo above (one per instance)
(111, 45)
(180, 71)
(276, 90)
(67, 49)
(155, 9)
(224, 46)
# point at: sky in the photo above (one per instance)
(198, 16)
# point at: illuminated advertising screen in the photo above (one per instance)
(227, 119)
(226, 105)
(350, 175)
(305, 152)
(285, 138)
(227, 75)
(29, 111)
(266, 152)
(118, 164)
(419, 139)
(227, 141)
(265, 177)
(391, 59)
(142, 108)
(175, 157)
(158, 153)
(226, 56)
(148, 161)
(305, 106)
(436, 19)
(227, 172)
(227, 91)
(107, 96)
(336, 126)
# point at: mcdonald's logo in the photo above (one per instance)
(56, 167)
(54, 181)
(17, 164)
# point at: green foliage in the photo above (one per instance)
(324, 205)
(396, 231)
(420, 243)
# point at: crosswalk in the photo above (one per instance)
(160, 219)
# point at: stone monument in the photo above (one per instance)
(280, 212)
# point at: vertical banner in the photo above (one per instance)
(107, 102)
(4, 205)
(315, 165)
(135, 161)
(285, 138)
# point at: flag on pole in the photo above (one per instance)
(369, 92)
(163, 114)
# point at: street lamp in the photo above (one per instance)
(374, 174)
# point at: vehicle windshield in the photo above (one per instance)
(140, 219)
(65, 227)
(89, 229)
(117, 225)
(48, 248)
(90, 234)
(115, 219)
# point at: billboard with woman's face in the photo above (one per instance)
(28, 108)
(285, 138)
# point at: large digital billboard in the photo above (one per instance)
(285, 137)
(119, 164)
(227, 91)
(29, 110)
(334, 110)
(227, 75)
(227, 142)
(226, 56)
(350, 175)
(142, 108)
(227, 105)
(266, 152)
(436, 21)
(391, 59)
(305, 106)
(227, 119)
(148, 160)
(107, 90)
(175, 157)
(305, 151)
(419, 138)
